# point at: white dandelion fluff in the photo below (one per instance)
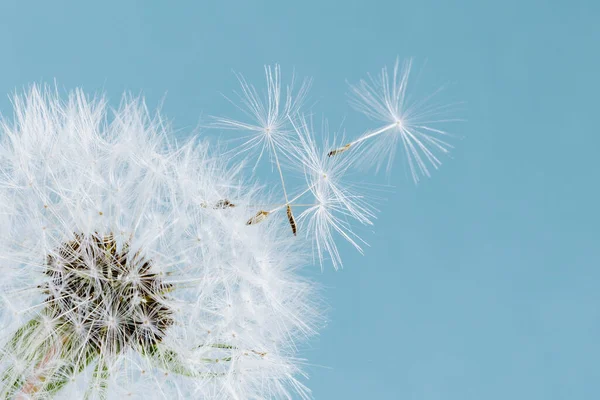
(268, 111)
(127, 268)
(417, 125)
(134, 266)
(335, 204)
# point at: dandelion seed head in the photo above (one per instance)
(134, 286)
(135, 265)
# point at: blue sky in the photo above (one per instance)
(480, 283)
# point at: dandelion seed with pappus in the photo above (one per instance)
(418, 125)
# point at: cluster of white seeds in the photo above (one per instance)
(133, 266)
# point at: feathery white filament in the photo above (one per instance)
(412, 123)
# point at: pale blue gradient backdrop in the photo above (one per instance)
(482, 283)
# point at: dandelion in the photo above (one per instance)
(127, 271)
(130, 267)
(413, 123)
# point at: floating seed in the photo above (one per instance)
(68, 268)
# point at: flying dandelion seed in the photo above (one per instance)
(415, 124)
(118, 282)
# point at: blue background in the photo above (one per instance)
(480, 283)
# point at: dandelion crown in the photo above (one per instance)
(137, 267)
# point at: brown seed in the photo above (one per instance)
(259, 217)
(291, 219)
(339, 150)
(224, 204)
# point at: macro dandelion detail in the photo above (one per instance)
(99, 300)
(127, 269)
(135, 266)
(414, 124)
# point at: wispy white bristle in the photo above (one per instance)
(415, 124)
